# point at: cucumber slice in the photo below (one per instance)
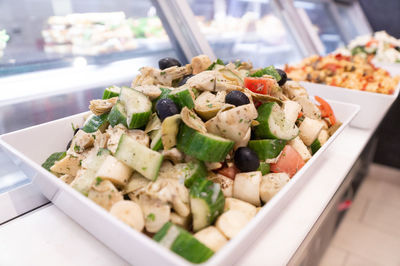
(192, 171)
(52, 159)
(137, 106)
(117, 115)
(156, 142)
(144, 160)
(315, 146)
(96, 122)
(183, 96)
(84, 181)
(267, 148)
(264, 168)
(206, 202)
(182, 243)
(273, 124)
(111, 92)
(203, 146)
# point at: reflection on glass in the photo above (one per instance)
(48, 34)
(347, 18)
(323, 22)
(247, 30)
(3, 41)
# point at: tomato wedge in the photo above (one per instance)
(258, 85)
(289, 162)
(229, 171)
(326, 110)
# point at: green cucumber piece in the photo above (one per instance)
(267, 148)
(156, 142)
(264, 168)
(192, 171)
(142, 159)
(117, 115)
(137, 107)
(182, 97)
(111, 92)
(203, 146)
(216, 62)
(52, 159)
(84, 181)
(181, 242)
(96, 122)
(315, 146)
(267, 71)
(273, 124)
(206, 202)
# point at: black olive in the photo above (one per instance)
(184, 80)
(166, 107)
(76, 130)
(168, 62)
(283, 75)
(69, 144)
(246, 159)
(237, 98)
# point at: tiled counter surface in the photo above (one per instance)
(46, 236)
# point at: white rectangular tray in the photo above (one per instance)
(30, 147)
(373, 105)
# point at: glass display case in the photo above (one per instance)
(45, 34)
(248, 30)
(324, 23)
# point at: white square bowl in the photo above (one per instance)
(373, 105)
(29, 147)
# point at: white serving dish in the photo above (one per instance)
(373, 105)
(30, 147)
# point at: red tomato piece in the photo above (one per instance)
(326, 110)
(258, 85)
(229, 172)
(289, 162)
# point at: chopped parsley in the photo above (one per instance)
(98, 181)
(77, 148)
(162, 73)
(151, 217)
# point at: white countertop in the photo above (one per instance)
(47, 236)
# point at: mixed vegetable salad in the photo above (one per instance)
(352, 72)
(189, 154)
(380, 47)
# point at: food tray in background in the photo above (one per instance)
(30, 147)
(373, 105)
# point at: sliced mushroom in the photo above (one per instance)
(191, 119)
(130, 213)
(246, 187)
(234, 123)
(211, 237)
(293, 89)
(174, 155)
(156, 212)
(152, 91)
(264, 98)
(271, 184)
(204, 81)
(105, 194)
(99, 107)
